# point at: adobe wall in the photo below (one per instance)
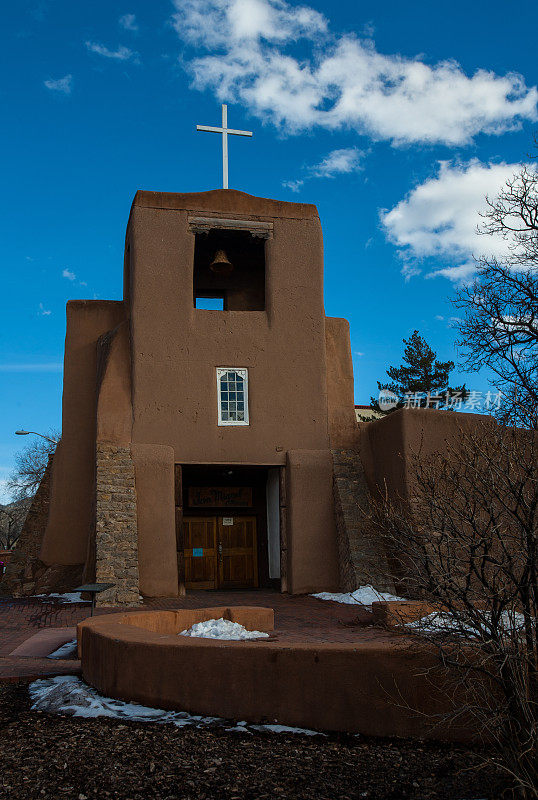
(114, 408)
(312, 555)
(388, 446)
(177, 348)
(73, 473)
(366, 687)
(343, 428)
(157, 551)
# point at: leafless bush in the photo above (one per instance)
(466, 543)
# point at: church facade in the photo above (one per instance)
(200, 412)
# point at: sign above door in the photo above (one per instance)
(220, 497)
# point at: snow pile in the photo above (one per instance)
(222, 629)
(463, 625)
(67, 694)
(364, 596)
(67, 650)
(244, 727)
(286, 729)
(67, 597)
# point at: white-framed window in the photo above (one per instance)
(232, 393)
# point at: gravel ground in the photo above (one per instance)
(46, 756)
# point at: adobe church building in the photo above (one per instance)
(213, 449)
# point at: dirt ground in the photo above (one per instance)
(52, 756)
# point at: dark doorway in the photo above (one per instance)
(221, 522)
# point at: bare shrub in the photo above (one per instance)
(466, 543)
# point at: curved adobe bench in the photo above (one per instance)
(360, 687)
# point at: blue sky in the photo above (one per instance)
(394, 119)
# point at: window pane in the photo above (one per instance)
(232, 397)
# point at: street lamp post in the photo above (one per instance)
(35, 433)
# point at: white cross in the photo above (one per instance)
(225, 131)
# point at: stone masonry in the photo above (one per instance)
(116, 538)
(26, 574)
(361, 558)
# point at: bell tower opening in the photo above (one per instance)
(229, 271)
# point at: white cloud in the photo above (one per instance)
(228, 23)
(44, 312)
(338, 162)
(69, 275)
(450, 321)
(63, 85)
(120, 54)
(295, 186)
(128, 22)
(340, 81)
(439, 218)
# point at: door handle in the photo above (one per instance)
(220, 548)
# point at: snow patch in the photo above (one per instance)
(364, 596)
(66, 597)
(222, 629)
(463, 625)
(68, 694)
(67, 650)
(286, 729)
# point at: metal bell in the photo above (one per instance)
(221, 264)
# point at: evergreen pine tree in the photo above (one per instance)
(421, 381)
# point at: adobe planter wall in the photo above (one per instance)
(360, 687)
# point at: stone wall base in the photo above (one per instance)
(116, 531)
(30, 576)
(25, 573)
(362, 559)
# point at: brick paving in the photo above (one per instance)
(298, 619)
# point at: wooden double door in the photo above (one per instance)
(220, 552)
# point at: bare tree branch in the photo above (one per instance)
(30, 465)
(500, 325)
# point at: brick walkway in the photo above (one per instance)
(297, 619)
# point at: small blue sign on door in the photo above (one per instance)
(197, 552)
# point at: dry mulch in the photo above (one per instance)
(52, 756)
